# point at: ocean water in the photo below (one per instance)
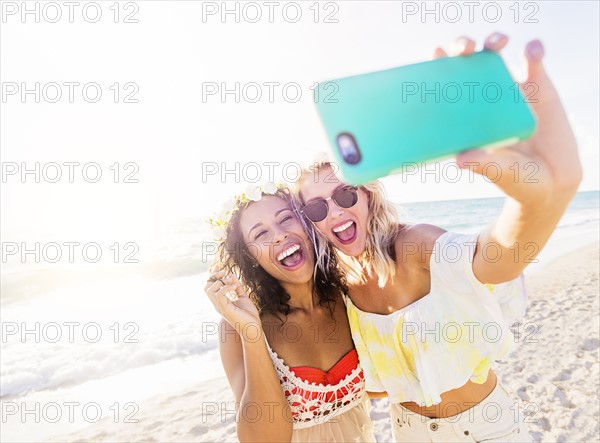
(112, 335)
(578, 226)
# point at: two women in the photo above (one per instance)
(287, 351)
(405, 285)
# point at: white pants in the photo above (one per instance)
(495, 419)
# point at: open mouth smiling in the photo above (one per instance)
(345, 232)
(292, 257)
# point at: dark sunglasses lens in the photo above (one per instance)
(345, 197)
(316, 211)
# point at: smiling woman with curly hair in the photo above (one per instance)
(286, 345)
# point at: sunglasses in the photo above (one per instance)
(317, 210)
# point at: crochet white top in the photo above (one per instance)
(444, 339)
(336, 410)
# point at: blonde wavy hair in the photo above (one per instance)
(382, 229)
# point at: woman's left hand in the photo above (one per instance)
(548, 162)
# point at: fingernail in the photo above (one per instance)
(535, 49)
(495, 38)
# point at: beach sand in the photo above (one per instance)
(554, 372)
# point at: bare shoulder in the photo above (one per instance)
(415, 242)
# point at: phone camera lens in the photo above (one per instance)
(348, 148)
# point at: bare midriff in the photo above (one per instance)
(457, 400)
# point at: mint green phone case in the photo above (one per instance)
(422, 112)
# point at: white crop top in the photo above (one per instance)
(448, 337)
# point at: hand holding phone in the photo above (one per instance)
(383, 122)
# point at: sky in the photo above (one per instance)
(161, 120)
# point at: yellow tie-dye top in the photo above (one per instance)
(450, 336)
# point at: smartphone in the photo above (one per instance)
(383, 122)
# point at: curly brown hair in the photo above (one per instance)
(264, 290)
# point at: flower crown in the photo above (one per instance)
(219, 222)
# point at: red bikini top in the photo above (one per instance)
(338, 371)
(316, 396)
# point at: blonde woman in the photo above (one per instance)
(285, 339)
(429, 310)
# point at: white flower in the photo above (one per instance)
(226, 209)
(222, 218)
(254, 194)
(219, 231)
(270, 188)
